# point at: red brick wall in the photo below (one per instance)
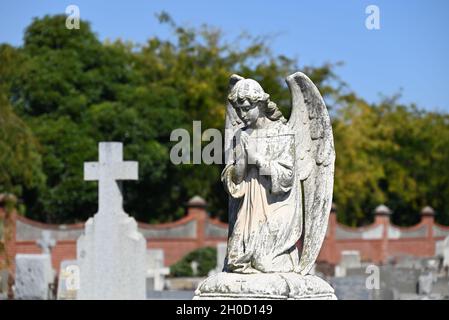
(377, 250)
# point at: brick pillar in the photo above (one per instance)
(8, 214)
(428, 219)
(196, 208)
(382, 217)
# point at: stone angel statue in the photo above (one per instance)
(279, 176)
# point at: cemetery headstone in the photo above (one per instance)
(425, 283)
(398, 279)
(221, 256)
(446, 252)
(69, 280)
(111, 253)
(439, 248)
(194, 265)
(33, 276)
(4, 277)
(408, 262)
(156, 271)
(351, 288)
(350, 259)
(46, 242)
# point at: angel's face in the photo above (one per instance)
(248, 112)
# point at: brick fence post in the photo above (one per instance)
(8, 213)
(196, 207)
(382, 217)
(428, 219)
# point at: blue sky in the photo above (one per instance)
(409, 53)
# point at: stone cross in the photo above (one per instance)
(156, 270)
(107, 171)
(111, 251)
(194, 265)
(46, 242)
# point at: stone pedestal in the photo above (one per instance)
(277, 286)
(111, 257)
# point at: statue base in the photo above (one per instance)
(276, 286)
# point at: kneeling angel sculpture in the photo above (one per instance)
(279, 176)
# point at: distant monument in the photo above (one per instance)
(279, 176)
(156, 271)
(112, 253)
(46, 242)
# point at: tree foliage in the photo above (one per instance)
(63, 91)
(205, 257)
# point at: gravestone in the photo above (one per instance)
(351, 287)
(430, 264)
(4, 277)
(408, 262)
(425, 283)
(111, 253)
(46, 242)
(439, 249)
(350, 259)
(399, 280)
(221, 256)
(33, 276)
(69, 279)
(194, 265)
(446, 252)
(156, 271)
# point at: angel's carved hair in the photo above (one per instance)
(251, 90)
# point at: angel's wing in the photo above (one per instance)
(314, 165)
(232, 125)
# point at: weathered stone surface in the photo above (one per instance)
(425, 283)
(446, 252)
(112, 253)
(46, 242)
(400, 279)
(279, 177)
(352, 287)
(350, 259)
(226, 285)
(34, 274)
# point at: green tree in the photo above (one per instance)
(205, 257)
(390, 153)
(64, 91)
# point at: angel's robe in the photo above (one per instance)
(265, 225)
